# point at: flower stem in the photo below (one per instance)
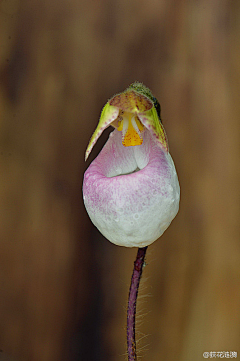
(132, 302)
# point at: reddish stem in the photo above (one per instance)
(132, 302)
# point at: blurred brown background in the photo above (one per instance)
(63, 287)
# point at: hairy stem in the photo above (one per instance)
(132, 302)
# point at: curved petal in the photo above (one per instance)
(131, 101)
(131, 194)
(108, 115)
(139, 101)
(151, 121)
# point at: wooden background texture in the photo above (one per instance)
(63, 287)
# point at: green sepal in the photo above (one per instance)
(138, 100)
(151, 121)
(108, 115)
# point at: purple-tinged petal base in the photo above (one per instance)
(131, 193)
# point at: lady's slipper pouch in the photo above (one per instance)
(131, 190)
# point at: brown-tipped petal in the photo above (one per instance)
(131, 101)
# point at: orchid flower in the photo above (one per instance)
(131, 190)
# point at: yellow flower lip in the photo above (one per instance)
(132, 102)
(131, 128)
(138, 101)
